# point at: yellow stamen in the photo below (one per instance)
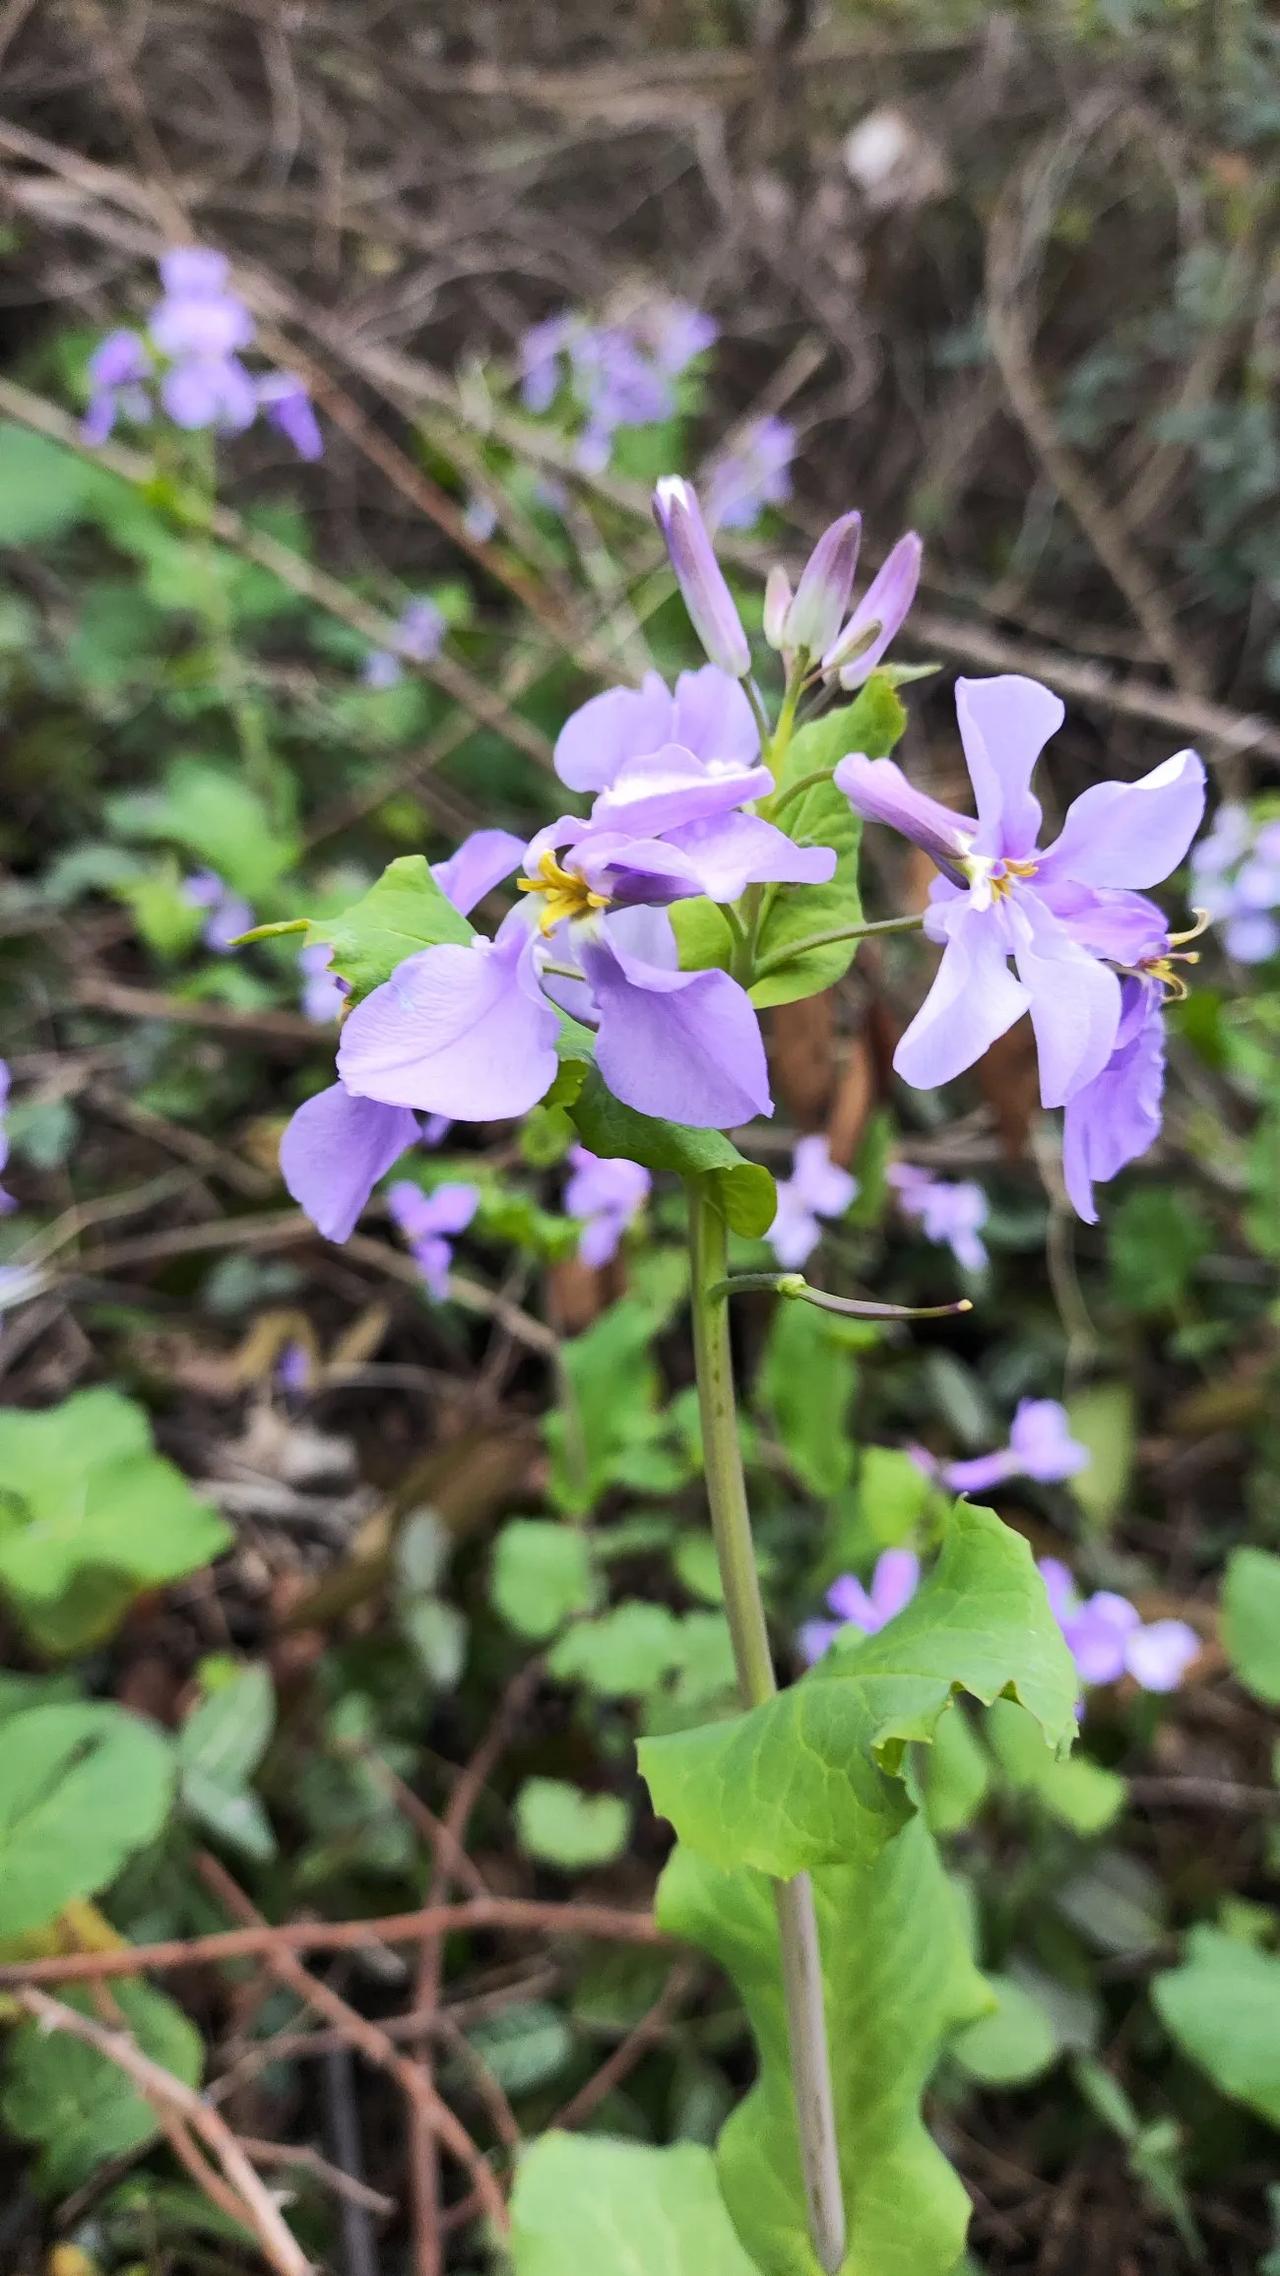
(568, 894)
(1202, 923)
(1161, 968)
(1002, 880)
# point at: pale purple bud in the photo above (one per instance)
(881, 613)
(711, 607)
(822, 596)
(777, 600)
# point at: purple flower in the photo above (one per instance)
(1116, 1117)
(119, 370)
(948, 1211)
(816, 1188)
(422, 628)
(323, 992)
(756, 473)
(815, 615)
(675, 333)
(7, 1202)
(711, 607)
(1040, 1447)
(893, 1584)
(227, 914)
(430, 1222)
(1235, 878)
(479, 517)
(289, 410)
(541, 367)
(199, 314)
(709, 715)
(1107, 1636)
(621, 373)
(860, 645)
(1059, 914)
(293, 1369)
(607, 1195)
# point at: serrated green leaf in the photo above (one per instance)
(815, 1774)
(90, 1515)
(1223, 2008)
(82, 1786)
(744, 1192)
(898, 1979)
(822, 816)
(404, 912)
(542, 1575)
(620, 2209)
(77, 2104)
(1251, 1621)
(565, 1827)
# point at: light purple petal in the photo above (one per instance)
(1004, 725)
(826, 1188)
(1158, 1656)
(795, 1232)
(671, 786)
(457, 1031)
(894, 1582)
(731, 851)
(886, 602)
(1098, 1636)
(681, 1045)
(1074, 1001)
(979, 1475)
(481, 862)
(1131, 833)
(974, 1000)
(1059, 1587)
(1116, 1118)
(1123, 927)
(600, 1240)
(118, 360)
(1041, 1443)
(822, 595)
(712, 717)
(710, 605)
(598, 739)
(289, 410)
(850, 1602)
(193, 271)
(815, 1637)
(879, 791)
(335, 1149)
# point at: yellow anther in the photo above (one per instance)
(1002, 879)
(1202, 923)
(567, 894)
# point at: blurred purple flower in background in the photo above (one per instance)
(1107, 1636)
(323, 993)
(293, 1369)
(950, 1211)
(1235, 878)
(893, 1584)
(192, 353)
(753, 474)
(1040, 1447)
(816, 1188)
(621, 373)
(479, 517)
(7, 1202)
(430, 1223)
(607, 1194)
(1063, 914)
(227, 914)
(422, 628)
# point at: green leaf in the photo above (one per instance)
(1102, 1418)
(1251, 1621)
(219, 1747)
(610, 1412)
(957, 1774)
(623, 1654)
(1077, 1792)
(703, 935)
(90, 1516)
(822, 816)
(1014, 2044)
(404, 912)
(1157, 1238)
(565, 1827)
(77, 2104)
(898, 1979)
(542, 1575)
(82, 1786)
(44, 489)
(743, 1192)
(1223, 2008)
(217, 816)
(524, 2045)
(816, 1773)
(620, 2209)
(806, 1386)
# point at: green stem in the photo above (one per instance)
(779, 804)
(796, 1288)
(731, 1528)
(798, 948)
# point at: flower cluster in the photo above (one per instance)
(1235, 878)
(949, 1211)
(816, 1188)
(190, 357)
(1093, 956)
(607, 1196)
(226, 913)
(422, 628)
(622, 374)
(1105, 1634)
(430, 1223)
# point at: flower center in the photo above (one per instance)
(993, 877)
(567, 893)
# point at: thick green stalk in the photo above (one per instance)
(731, 1527)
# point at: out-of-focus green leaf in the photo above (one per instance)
(1223, 2008)
(562, 1826)
(77, 2104)
(1077, 1792)
(621, 2209)
(1251, 1621)
(806, 1386)
(217, 817)
(82, 1786)
(542, 1575)
(1014, 2044)
(1157, 1237)
(621, 1655)
(1102, 1418)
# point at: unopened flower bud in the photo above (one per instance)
(706, 596)
(822, 596)
(878, 617)
(777, 600)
